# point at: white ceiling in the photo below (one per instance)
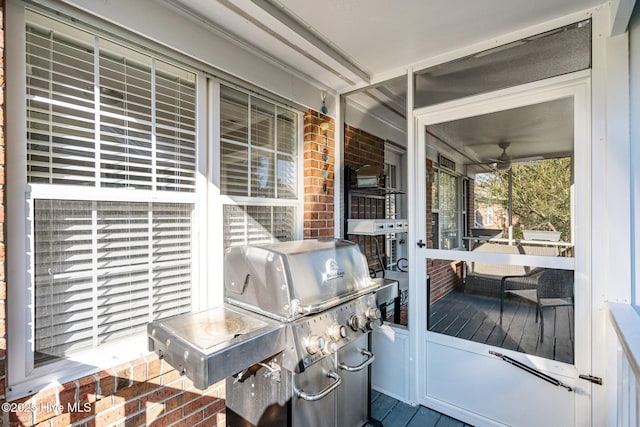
(343, 45)
(539, 130)
(377, 36)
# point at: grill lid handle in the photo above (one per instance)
(234, 288)
(317, 396)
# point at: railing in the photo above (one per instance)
(519, 241)
(626, 324)
(564, 249)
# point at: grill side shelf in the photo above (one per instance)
(206, 366)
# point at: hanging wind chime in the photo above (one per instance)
(324, 126)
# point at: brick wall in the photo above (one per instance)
(444, 277)
(319, 173)
(362, 148)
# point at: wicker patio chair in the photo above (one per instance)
(546, 287)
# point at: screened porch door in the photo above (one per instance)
(502, 320)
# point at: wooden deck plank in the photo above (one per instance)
(477, 318)
(518, 327)
(472, 326)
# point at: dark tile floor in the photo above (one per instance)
(393, 413)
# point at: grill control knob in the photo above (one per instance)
(372, 324)
(374, 313)
(331, 347)
(357, 322)
(315, 344)
(337, 332)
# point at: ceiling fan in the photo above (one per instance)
(504, 160)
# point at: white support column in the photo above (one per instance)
(610, 193)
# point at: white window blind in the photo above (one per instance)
(145, 111)
(258, 161)
(245, 225)
(104, 269)
(105, 119)
(60, 113)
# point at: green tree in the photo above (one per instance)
(541, 194)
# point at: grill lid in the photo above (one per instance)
(290, 279)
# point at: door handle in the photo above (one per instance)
(317, 396)
(421, 244)
(370, 358)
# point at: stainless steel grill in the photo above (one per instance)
(292, 339)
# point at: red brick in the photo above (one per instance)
(154, 368)
(87, 392)
(190, 420)
(159, 395)
(123, 375)
(169, 418)
(107, 382)
(113, 415)
(140, 367)
(104, 404)
(214, 407)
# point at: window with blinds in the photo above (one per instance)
(246, 225)
(128, 122)
(103, 119)
(258, 161)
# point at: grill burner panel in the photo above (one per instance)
(211, 345)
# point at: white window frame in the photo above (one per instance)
(23, 377)
(460, 209)
(236, 200)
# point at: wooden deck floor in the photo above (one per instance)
(393, 413)
(477, 318)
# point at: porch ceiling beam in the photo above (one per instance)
(621, 11)
(303, 31)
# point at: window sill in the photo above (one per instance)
(89, 364)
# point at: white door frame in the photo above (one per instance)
(576, 85)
